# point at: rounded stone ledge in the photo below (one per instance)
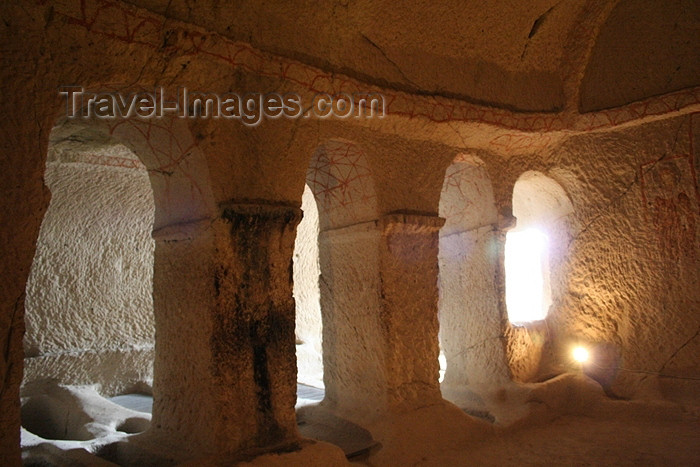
(75, 417)
(145, 449)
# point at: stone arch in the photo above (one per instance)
(164, 151)
(165, 147)
(342, 183)
(348, 243)
(539, 200)
(469, 312)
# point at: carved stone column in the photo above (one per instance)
(409, 274)
(379, 303)
(353, 345)
(225, 371)
(253, 340)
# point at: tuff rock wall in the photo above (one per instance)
(632, 287)
(89, 302)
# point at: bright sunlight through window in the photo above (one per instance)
(527, 288)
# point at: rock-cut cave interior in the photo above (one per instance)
(369, 232)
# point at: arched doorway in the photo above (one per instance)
(120, 254)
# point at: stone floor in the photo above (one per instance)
(585, 441)
(628, 437)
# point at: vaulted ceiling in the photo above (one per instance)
(538, 55)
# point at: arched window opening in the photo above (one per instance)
(528, 293)
(540, 206)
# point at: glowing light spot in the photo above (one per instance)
(580, 354)
(527, 290)
(443, 366)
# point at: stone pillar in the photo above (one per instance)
(185, 409)
(379, 304)
(225, 370)
(253, 339)
(409, 318)
(472, 324)
(354, 370)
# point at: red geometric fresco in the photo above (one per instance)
(466, 201)
(132, 26)
(342, 183)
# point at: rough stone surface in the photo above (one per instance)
(89, 295)
(353, 360)
(253, 340)
(632, 260)
(408, 262)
